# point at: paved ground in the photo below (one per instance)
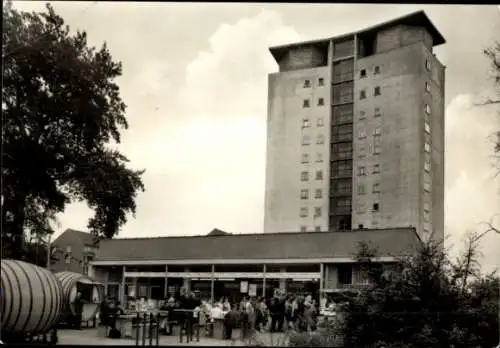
(90, 337)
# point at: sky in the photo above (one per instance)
(195, 83)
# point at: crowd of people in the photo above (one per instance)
(275, 314)
(278, 313)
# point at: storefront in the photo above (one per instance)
(233, 266)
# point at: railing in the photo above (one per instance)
(146, 328)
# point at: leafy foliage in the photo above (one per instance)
(60, 110)
(432, 302)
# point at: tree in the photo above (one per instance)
(431, 301)
(61, 110)
(493, 55)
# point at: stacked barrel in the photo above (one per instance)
(32, 299)
(69, 281)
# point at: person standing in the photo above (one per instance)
(78, 306)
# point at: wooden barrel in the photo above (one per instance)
(69, 282)
(31, 298)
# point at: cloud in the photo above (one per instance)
(204, 158)
(230, 79)
(472, 190)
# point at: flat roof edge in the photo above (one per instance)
(419, 17)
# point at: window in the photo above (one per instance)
(318, 194)
(427, 147)
(427, 207)
(362, 73)
(321, 102)
(319, 175)
(427, 227)
(305, 158)
(374, 222)
(362, 115)
(427, 127)
(321, 81)
(427, 177)
(307, 83)
(341, 169)
(361, 151)
(427, 186)
(376, 113)
(427, 216)
(342, 187)
(305, 123)
(376, 70)
(360, 226)
(317, 212)
(362, 94)
(376, 91)
(343, 93)
(303, 229)
(320, 139)
(306, 140)
(319, 157)
(304, 194)
(304, 212)
(304, 176)
(376, 207)
(342, 114)
(428, 65)
(305, 104)
(343, 206)
(376, 187)
(342, 133)
(427, 166)
(427, 109)
(342, 150)
(343, 71)
(362, 134)
(427, 87)
(317, 229)
(377, 131)
(376, 169)
(361, 170)
(361, 189)
(377, 144)
(319, 122)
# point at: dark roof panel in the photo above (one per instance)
(390, 242)
(418, 18)
(84, 237)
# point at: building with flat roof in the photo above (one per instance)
(220, 264)
(356, 132)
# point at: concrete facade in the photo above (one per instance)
(385, 116)
(297, 134)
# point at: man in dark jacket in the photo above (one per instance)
(78, 306)
(230, 322)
